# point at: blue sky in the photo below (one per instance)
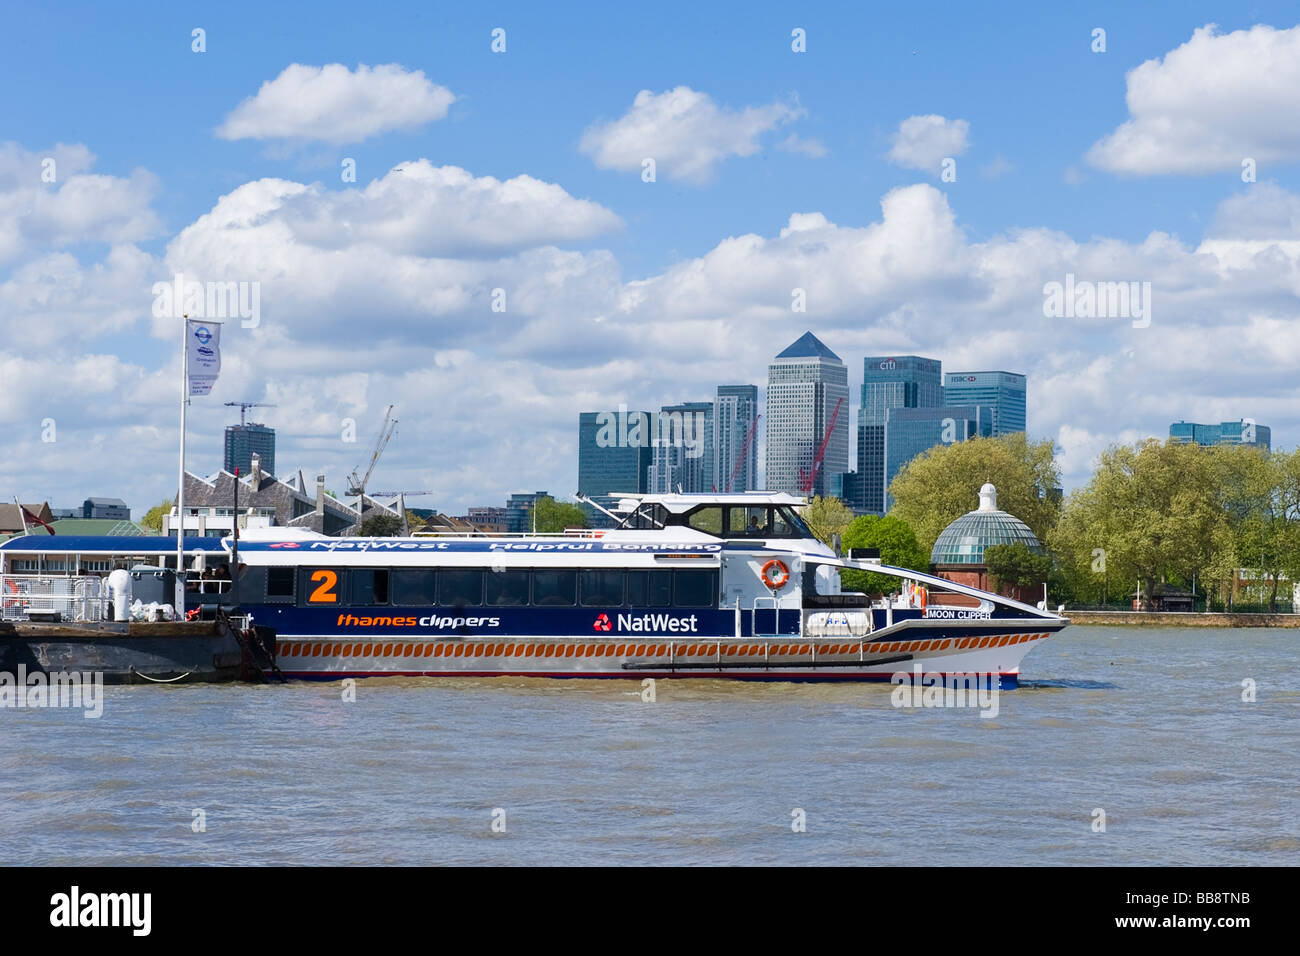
(611, 306)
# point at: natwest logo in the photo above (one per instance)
(602, 623)
(286, 544)
(641, 623)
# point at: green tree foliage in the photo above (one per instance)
(898, 547)
(1016, 565)
(153, 518)
(943, 484)
(554, 516)
(381, 526)
(1150, 513)
(826, 517)
(1259, 494)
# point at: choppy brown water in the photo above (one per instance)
(1147, 724)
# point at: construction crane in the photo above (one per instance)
(245, 406)
(395, 494)
(356, 483)
(807, 479)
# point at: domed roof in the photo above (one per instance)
(964, 541)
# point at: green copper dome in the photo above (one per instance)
(964, 541)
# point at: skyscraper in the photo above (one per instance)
(888, 382)
(1004, 392)
(912, 431)
(735, 439)
(1241, 432)
(243, 441)
(807, 403)
(613, 456)
(682, 449)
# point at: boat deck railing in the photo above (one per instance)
(72, 598)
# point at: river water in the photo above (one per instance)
(1147, 725)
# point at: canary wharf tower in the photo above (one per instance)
(806, 383)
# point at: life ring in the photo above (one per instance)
(778, 581)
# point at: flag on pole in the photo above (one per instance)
(203, 345)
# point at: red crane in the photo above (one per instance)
(744, 450)
(808, 478)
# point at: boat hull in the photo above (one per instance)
(996, 651)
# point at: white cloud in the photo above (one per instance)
(76, 207)
(1209, 104)
(923, 142)
(336, 105)
(683, 131)
(997, 168)
(394, 305)
(445, 211)
(797, 144)
(1260, 210)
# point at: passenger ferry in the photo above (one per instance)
(719, 586)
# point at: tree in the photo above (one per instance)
(942, 484)
(1151, 511)
(554, 516)
(1016, 564)
(381, 526)
(1259, 493)
(153, 518)
(898, 547)
(826, 517)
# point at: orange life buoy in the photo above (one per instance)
(775, 582)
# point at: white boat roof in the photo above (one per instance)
(677, 503)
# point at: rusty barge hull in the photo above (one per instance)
(126, 652)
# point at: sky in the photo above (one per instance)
(471, 234)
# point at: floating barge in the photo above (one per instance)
(55, 616)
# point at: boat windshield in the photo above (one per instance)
(646, 517)
(746, 521)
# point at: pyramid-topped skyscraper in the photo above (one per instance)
(807, 419)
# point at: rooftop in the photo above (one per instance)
(966, 539)
(808, 346)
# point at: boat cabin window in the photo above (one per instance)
(320, 586)
(474, 587)
(414, 587)
(695, 588)
(746, 521)
(460, 587)
(649, 588)
(646, 518)
(601, 588)
(369, 585)
(506, 588)
(555, 588)
(707, 518)
(279, 584)
(753, 522)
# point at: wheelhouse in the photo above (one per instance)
(760, 516)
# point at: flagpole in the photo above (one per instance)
(180, 493)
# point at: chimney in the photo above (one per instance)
(256, 471)
(320, 496)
